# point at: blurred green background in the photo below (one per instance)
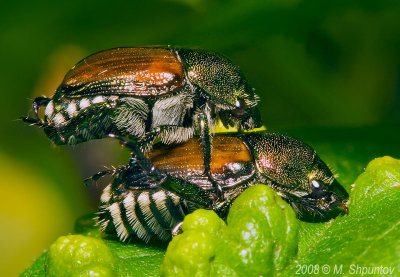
(320, 67)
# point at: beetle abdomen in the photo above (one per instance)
(71, 121)
(126, 71)
(140, 213)
(74, 120)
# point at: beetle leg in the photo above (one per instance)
(187, 190)
(207, 149)
(147, 143)
(103, 173)
(36, 121)
(139, 179)
(132, 176)
(177, 229)
(141, 159)
(167, 134)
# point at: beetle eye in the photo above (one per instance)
(237, 104)
(240, 108)
(316, 185)
(240, 104)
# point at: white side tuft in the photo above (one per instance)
(115, 212)
(130, 204)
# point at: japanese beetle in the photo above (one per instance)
(136, 205)
(147, 93)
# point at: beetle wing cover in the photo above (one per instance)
(188, 157)
(125, 71)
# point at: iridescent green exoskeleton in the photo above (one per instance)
(135, 205)
(146, 93)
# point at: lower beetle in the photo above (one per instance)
(147, 93)
(136, 205)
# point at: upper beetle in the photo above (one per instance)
(147, 93)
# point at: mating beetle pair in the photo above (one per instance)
(173, 95)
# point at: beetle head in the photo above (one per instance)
(223, 84)
(297, 172)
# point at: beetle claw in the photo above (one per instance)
(35, 121)
(177, 229)
(345, 208)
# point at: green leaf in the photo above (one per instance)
(129, 259)
(280, 220)
(259, 239)
(37, 268)
(190, 253)
(76, 255)
(137, 259)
